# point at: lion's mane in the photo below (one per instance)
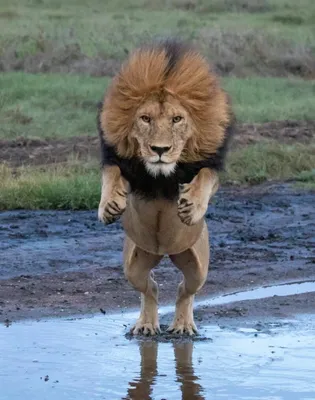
(168, 67)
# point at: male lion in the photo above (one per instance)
(164, 126)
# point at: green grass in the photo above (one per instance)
(110, 26)
(271, 99)
(48, 105)
(263, 161)
(65, 105)
(77, 186)
(111, 29)
(306, 179)
(59, 187)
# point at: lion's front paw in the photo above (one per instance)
(110, 211)
(191, 204)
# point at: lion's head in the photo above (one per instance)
(161, 130)
(165, 106)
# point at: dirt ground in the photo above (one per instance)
(66, 263)
(37, 151)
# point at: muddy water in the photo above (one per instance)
(90, 358)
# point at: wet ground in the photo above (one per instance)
(66, 263)
(91, 358)
(255, 313)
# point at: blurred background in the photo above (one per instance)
(57, 58)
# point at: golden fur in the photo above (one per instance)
(191, 84)
(158, 103)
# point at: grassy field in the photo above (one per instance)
(60, 187)
(269, 37)
(77, 185)
(58, 57)
(63, 106)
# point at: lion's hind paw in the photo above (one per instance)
(183, 328)
(147, 329)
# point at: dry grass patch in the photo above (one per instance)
(254, 52)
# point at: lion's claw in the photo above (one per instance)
(183, 328)
(146, 329)
(112, 210)
(190, 209)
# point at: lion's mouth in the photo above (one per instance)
(161, 162)
(160, 168)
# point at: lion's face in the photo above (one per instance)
(161, 130)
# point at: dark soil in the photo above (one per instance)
(165, 336)
(274, 308)
(46, 151)
(64, 263)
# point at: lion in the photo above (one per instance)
(164, 127)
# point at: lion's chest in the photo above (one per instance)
(154, 226)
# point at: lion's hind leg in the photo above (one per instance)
(137, 267)
(194, 264)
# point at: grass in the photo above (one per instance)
(252, 52)
(306, 180)
(271, 99)
(48, 105)
(59, 187)
(260, 162)
(77, 186)
(110, 29)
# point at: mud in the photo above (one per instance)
(35, 151)
(65, 263)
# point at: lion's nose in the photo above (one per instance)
(160, 150)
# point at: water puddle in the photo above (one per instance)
(90, 358)
(285, 289)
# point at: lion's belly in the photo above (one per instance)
(154, 226)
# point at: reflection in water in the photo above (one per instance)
(185, 372)
(141, 387)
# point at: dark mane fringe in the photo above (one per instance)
(175, 50)
(150, 187)
(172, 67)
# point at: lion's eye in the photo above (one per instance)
(176, 119)
(145, 118)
